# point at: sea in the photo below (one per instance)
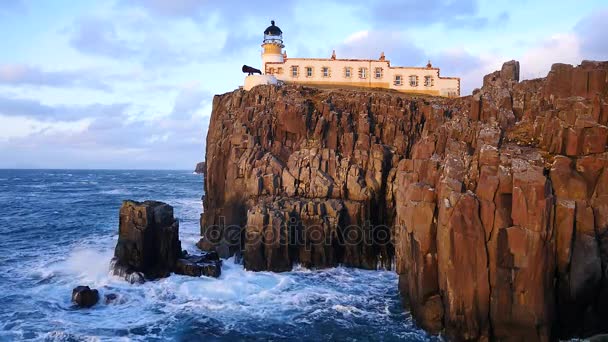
(58, 229)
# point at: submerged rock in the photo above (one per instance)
(207, 264)
(110, 298)
(84, 296)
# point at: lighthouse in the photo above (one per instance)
(272, 46)
(346, 72)
(272, 53)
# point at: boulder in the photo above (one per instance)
(84, 296)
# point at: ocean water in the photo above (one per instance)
(58, 229)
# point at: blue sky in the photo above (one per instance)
(129, 83)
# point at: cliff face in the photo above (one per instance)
(494, 207)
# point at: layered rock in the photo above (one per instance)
(207, 264)
(149, 247)
(148, 239)
(493, 206)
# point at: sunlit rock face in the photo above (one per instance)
(493, 208)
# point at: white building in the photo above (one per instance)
(369, 73)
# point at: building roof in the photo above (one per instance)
(273, 30)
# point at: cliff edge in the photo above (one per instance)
(493, 208)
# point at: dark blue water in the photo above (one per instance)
(58, 229)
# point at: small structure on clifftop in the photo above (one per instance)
(348, 72)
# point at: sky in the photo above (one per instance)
(129, 84)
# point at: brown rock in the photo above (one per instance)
(493, 207)
(84, 296)
(148, 239)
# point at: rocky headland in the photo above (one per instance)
(492, 208)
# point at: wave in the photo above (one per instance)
(238, 301)
(120, 191)
(63, 251)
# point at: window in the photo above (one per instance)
(428, 81)
(348, 72)
(362, 72)
(398, 80)
(326, 72)
(308, 71)
(279, 71)
(413, 81)
(378, 73)
(295, 70)
(271, 71)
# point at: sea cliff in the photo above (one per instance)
(492, 208)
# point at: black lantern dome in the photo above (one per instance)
(273, 34)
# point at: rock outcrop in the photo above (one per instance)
(493, 207)
(200, 168)
(149, 247)
(207, 264)
(148, 239)
(84, 296)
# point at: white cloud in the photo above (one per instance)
(20, 74)
(18, 127)
(591, 31)
(470, 68)
(397, 47)
(560, 48)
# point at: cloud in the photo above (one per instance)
(108, 142)
(400, 50)
(470, 68)
(369, 44)
(99, 37)
(410, 13)
(171, 8)
(28, 108)
(560, 48)
(591, 32)
(188, 100)
(143, 43)
(231, 13)
(105, 135)
(236, 43)
(19, 74)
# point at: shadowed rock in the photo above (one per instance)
(84, 296)
(207, 264)
(148, 245)
(148, 240)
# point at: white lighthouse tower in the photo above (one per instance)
(272, 53)
(272, 46)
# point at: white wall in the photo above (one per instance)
(441, 86)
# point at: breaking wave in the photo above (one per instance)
(50, 257)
